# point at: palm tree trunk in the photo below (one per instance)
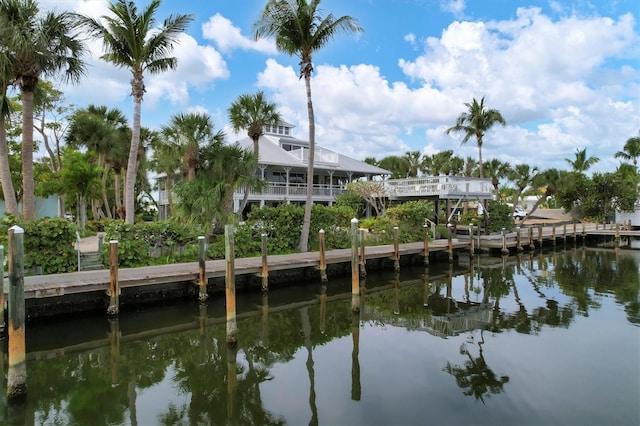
(306, 222)
(105, 199)
(10, 201)
(28, 187)
(132, 164)
(480, 159)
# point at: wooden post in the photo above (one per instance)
(426, 244)
(472, 249)
(518, 240)
(363, 258)
(396, 249)
(202, 273)
(540, 236)
(532, 245)
(449, 243)
(574, 231)
(323, 261)
(553, 235)
(265, 265)
(230, 284)
(3, 325)
(17, 374)
(114, 284)
(617, 234)
(564, 233)
(504, 250)
(355, 278)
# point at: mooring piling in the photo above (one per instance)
(202, 273)
(264, 272)
(17, 373)
(323, 262)
(230, 284)
(114, 285)
(355, 277)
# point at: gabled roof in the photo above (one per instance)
(271, 153)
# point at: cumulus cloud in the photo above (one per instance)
(456, 7)
(228, 37)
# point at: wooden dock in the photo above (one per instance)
(55, 285)
(44, 286)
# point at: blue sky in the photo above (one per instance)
(564, 74)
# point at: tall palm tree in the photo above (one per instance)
(188, 132)
(39, 45)
(581, 163)
(476, 121)
(10, 200)
(548, 182)
(252, 113)
(300, 29)
(131, 40)
(415, 162)
(631, 151)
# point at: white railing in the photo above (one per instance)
(322, 156)
(441, 186)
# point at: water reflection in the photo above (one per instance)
(173, 365)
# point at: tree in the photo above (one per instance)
(398, 166)
(631, 151)
(8, 191)
(414, 162)
(252, 113)
(372, 191)
(497, 170)
(300, 29)
(39, 44)
(131, 40)
(581, 163)
(188, 133)
(521, 175)
(548, 182)
(476, 121)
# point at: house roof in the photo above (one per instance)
(271, 153)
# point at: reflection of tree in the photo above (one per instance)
(475, 377)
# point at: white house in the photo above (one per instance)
(283, 165)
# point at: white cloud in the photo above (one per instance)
(453, 6)
(228, 37)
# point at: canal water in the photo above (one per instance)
(544, 339)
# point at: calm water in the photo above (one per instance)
(541, 339)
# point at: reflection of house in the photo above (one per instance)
(283, 164)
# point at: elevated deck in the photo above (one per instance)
(441, 187)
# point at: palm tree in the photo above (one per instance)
(188, 133)
(252, 113)
(548, 182)
(39, 45)
(631, 151)
(10, 200)
(398, 166)
(131, 40)
(299, 29)
(497, 170)
(476, 121)
(415, 162)
(581, 163)
(522, 175)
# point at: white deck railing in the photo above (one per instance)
(440, 186)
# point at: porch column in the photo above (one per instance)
(331, 172)
(287, 170)
(263, 167)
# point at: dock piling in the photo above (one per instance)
(264, 274)
(532, 245)
(230, 284)
(323, 261)
(540, 236)
(425, 254)
(504, 249)
(355, 277)
(472, 249)
(518, 240)
(553, 235)
(202, 273)
(396, 249)
(450, 242)
(114, 285)
(17, 373)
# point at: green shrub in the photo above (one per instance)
(410, 218)
(500, 216)
(352, 200)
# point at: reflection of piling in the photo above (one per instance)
(230, 284)
(264, 273)
(323, 307)
(17, 374)
(396, 292)
(3, 325)
(265, 320)
(114, 344)
(396, 249)
(355, 277)
(114, 285)
(202, 275)
(426, 245)
(356, 388)
(363, 258)
(232, 381)
(323, 261)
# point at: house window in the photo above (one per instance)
(286, 131)
(281, 130)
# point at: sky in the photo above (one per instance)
(565, 75)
